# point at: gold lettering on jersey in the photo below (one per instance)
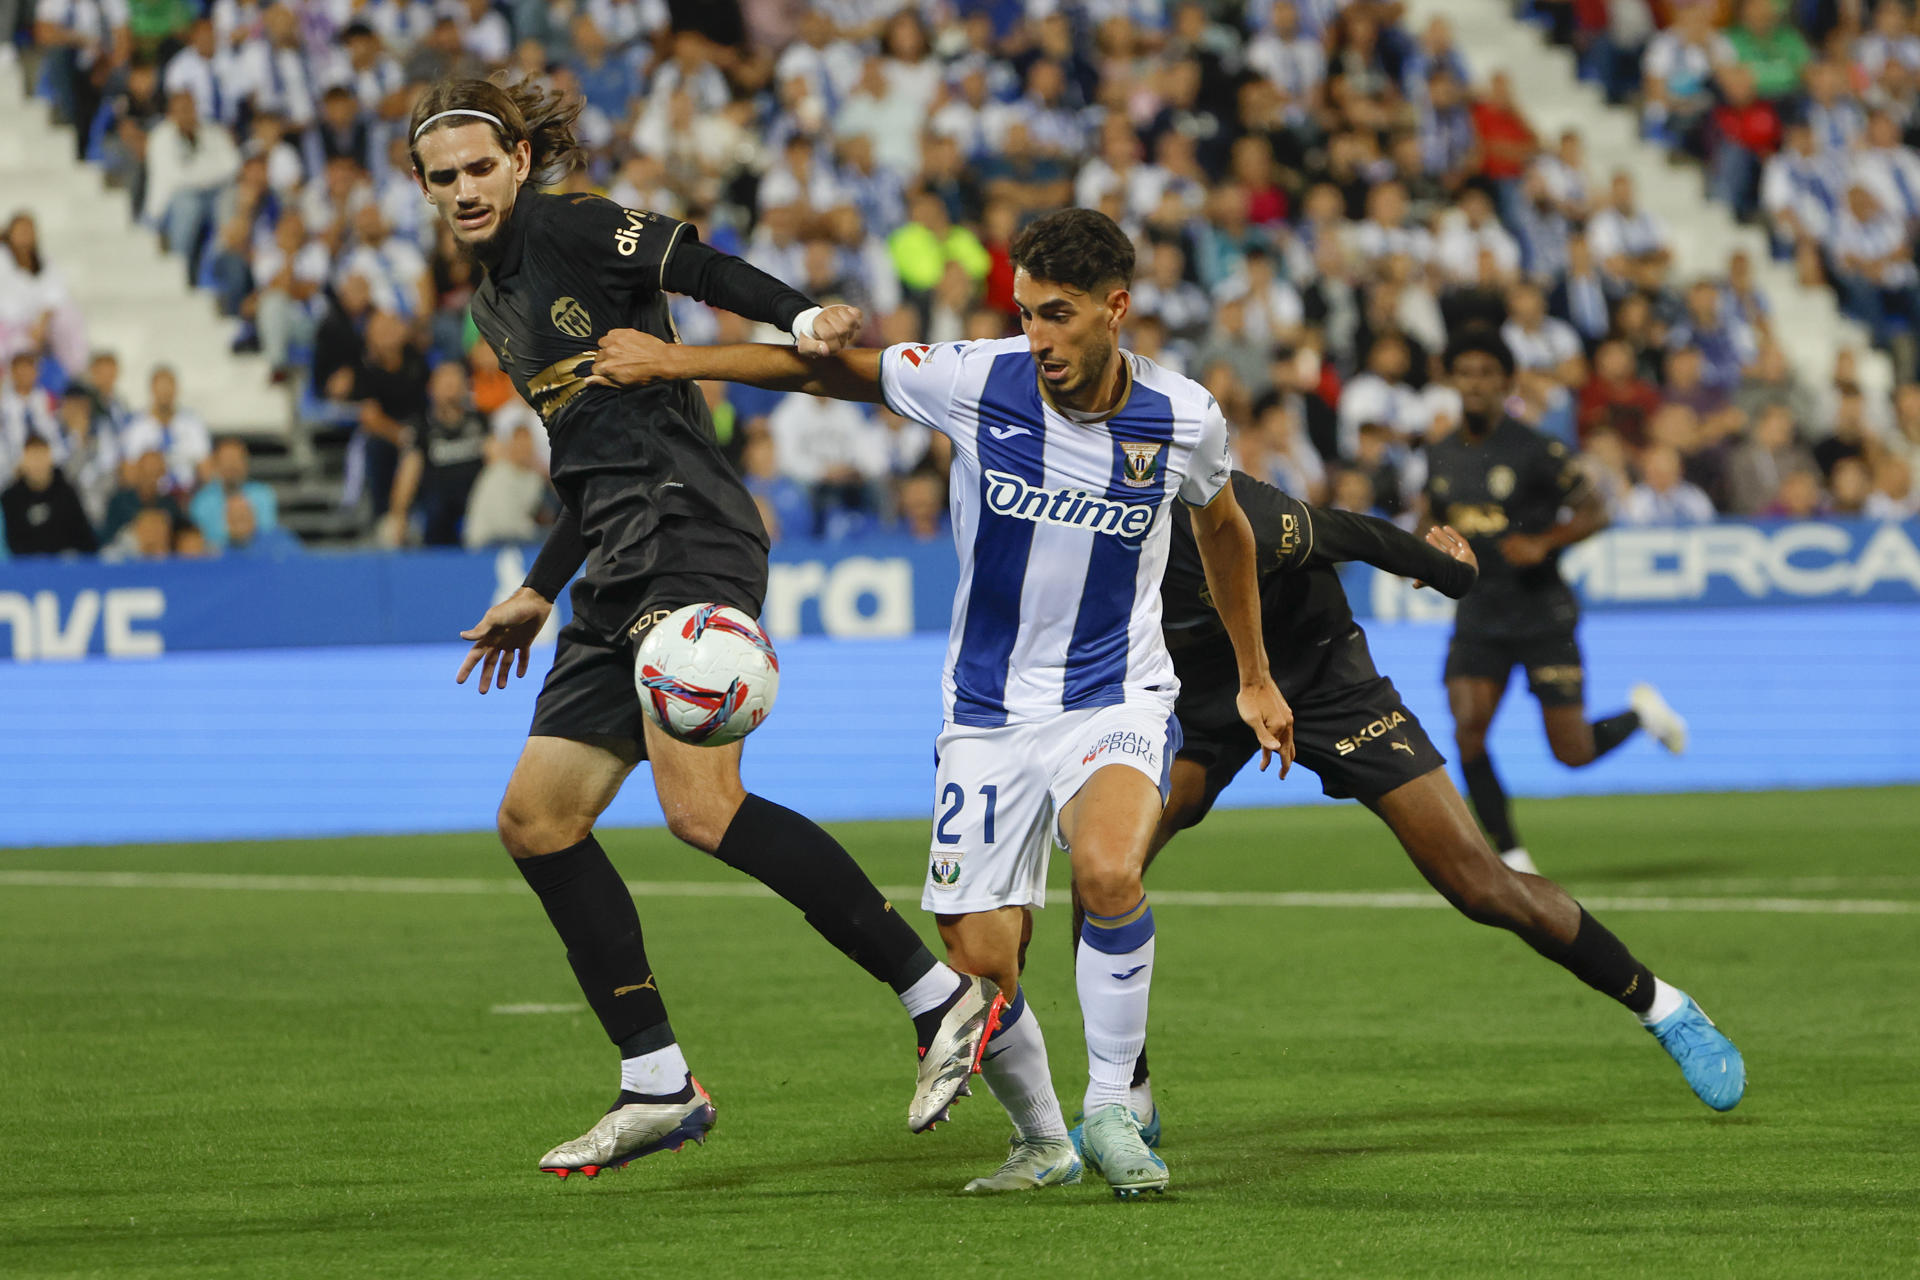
(551, 388)
(1289, 536)
(627, 239)
(570, 318)
(1500, 482)
(1378, 729)
(1477, 520)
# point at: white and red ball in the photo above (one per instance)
(706, 674)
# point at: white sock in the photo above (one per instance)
(1140, 1098)
(1113, 968)
(1666, 1002)
(1015, 1069)
(662, 1072)
(931, 991)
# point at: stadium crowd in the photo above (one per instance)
(1319, 195)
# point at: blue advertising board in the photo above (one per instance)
(865, 588)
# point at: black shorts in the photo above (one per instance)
(1555, 671)
(1350, 727)
(589, 692)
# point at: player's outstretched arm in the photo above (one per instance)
(1227, 553)
(630, 358)
(1443, 560)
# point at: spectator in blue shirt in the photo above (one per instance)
(210, 507)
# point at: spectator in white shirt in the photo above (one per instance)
(1802, 189)
(1539, 341)
(84, 42)
(26, 411)
(1874, 257)
(484, 32)
(1663, 497)
(208, 72)
(833, 448)
(275, 68)
(1381, 396)
(1295, 64)
(1469, 230)
(1564, 174)
(178, 435)
(1631, 245)
(290, 276)
(1893, 497)
(188, 161)
(1180, 304)
(1387, 229)
(393, 266)
(1679, 71)
(37, 311)
(1888, 168)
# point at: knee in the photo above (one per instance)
(526, 832)
(1107, 886)
(1470, 739)
(700, 821)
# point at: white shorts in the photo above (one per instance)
(998, 794)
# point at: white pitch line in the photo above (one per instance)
(1392, 901)
(538, 1008)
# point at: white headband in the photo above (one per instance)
(457, 111)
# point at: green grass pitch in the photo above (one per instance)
(207, 1080)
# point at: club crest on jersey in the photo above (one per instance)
(1500, 483)
(945, 871)
(570, 318)
(1142, 465)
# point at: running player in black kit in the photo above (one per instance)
(1351, 728)
(1504, 485)
(661, 521)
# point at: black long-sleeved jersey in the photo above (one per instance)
(570, 268)
(1511, 480)
(1302, 603)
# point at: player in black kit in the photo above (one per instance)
(661, 521)
(1503, 485)
(1351, 728)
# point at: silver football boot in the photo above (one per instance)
(1033, 1163)
(630, 1131)
(955, 1052)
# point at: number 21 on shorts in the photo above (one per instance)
(953, 800)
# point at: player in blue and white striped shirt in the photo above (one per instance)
(1067, 456)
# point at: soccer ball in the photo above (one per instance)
(706, 674)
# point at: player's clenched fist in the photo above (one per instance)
(630, 358)
(834, 329)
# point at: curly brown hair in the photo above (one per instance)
(526, 113)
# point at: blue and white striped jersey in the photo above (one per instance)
(1061, 525)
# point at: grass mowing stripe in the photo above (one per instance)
(1412, 901)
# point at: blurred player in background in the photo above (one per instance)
(1068, 454)
(1504, 485)
(1352, 729)
(661, 520)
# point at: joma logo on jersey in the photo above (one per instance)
(570, 318)
(1009, 495)
(1143, 464)
(1378, 729)
(627, 239)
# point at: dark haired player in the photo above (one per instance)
(661, 521)
(1068, 456)
(1503, 485)
(1351, 729)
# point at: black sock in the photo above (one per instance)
(803, 864)
(594, 914)
(1139, 1069)
(1612, 731)
(1603, 962)
(1490, 802)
